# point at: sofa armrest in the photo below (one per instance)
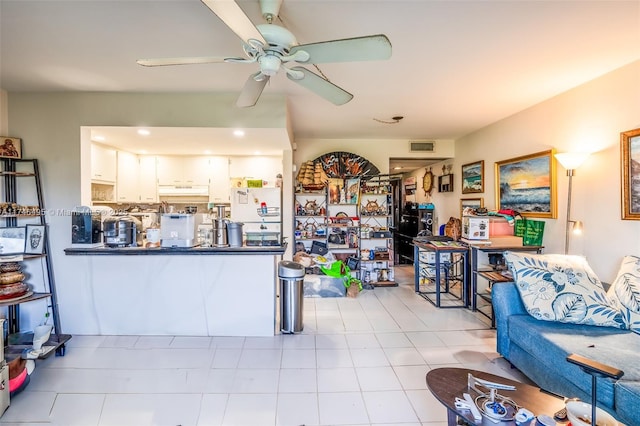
(506, 302)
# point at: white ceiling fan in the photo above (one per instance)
(273, 46)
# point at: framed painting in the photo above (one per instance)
(34, 243)
(473, 177)
(12, 240)
(630, 150)
(527, 185)
(10, 147)
(472, 203)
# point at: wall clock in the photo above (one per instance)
(427, 181)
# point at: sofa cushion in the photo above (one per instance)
(625, 291)
(627, 397)
(562, 288)
(550, 343)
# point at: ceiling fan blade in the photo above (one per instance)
(235, 18)
(159, 62)
(252, 90)
(367, 48)
(321, 87)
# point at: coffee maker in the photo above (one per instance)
(86, 228)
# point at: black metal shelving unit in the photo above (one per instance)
(12, 171)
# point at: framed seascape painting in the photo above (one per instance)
(630, 150)
(527, 185)
(473, 177)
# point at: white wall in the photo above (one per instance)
(587, 118)
(50, 127)
(4, 114)
(377, 151)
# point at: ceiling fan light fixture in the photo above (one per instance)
(269, 64)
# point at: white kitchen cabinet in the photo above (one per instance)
(147, 179)
(177, 170)
(103, 163)
(256, 167)
(127, 180)
(196, 170)
(219, 187)
(169, 170)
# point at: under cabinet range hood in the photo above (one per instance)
(184, 193)
(183, 190)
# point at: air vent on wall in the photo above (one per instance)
(422, 146)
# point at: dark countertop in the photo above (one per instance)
(141, 251)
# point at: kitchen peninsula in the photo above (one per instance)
(189, 292)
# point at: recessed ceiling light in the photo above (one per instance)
(257, 153)
(238, 133)
(207, 152)
(99, 138)
(397, 168)
(144, 132)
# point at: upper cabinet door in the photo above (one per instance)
(169, 170)
(187, 171)
(220, 187)
(196, 170)
(148, 180)
(127, 183)
(256, 167)
(103, 163)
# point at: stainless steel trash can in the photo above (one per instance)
(234, 234)
(291, 276)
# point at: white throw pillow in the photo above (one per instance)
(625, 291)
(563, 288)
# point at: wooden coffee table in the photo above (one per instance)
(448, 383)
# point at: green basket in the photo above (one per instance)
(531, 231)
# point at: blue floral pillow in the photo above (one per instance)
(562, 288)
(625, 291)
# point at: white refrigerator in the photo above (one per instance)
(260, 209)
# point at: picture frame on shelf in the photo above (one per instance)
(10, 147)
(630, 153)
(335, 190)
(473, 203)
(12, 240)
(527, 184)
(351, 190)
(35, 237)
(473, 177)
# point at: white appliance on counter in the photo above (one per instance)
(177, 230)
(260, 209)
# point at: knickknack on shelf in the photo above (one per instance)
(445, 183)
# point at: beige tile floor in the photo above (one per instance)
(359, 361)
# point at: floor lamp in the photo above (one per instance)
(571, 161)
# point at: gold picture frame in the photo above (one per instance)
(527, 184)
(630, 150)
(470, 202)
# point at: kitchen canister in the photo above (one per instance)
(234, 234)
(153, 236)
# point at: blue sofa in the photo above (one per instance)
(539, 349)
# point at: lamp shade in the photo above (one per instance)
(571, 160)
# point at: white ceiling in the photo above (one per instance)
(456, 66)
